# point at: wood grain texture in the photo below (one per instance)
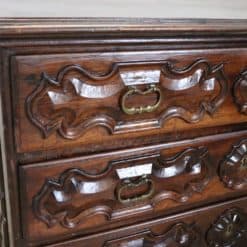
(72, 195)
(101, 95)
(67, 191)
(115, 27)
(97, 124)
(199, 221)
(3, 216)
(230, 229)
(191, 163)
(233, 169)
(179, 235)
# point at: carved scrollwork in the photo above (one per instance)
(77, 195)
(67, 104)
(180, 235)
(229, 230)
(240, 92)
(233, 170)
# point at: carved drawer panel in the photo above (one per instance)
(97, 100)
(221, 225)
(84, 195)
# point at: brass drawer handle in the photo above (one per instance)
(141, 109)
(129, 185)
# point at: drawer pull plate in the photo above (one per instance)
(134, 171)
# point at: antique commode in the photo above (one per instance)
(123, 132)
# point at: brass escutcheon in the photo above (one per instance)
(141, 109)
(243, 163)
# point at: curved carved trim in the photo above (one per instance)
(72, 183)
(233, 170)
(240, 92)
(199, 72)
(179, 235)
(63, 189)
(228, 230)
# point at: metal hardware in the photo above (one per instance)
(141, 109)
(128, 185)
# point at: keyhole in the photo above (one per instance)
(229, 229)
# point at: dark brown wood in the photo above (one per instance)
(104, 101)
(3, 216)
(123, 132)
(85, 107)
(230, 229)
(83, 195)
(233, 170)
(180, 234)
(74, 27)
(196, 226)
(240, 92)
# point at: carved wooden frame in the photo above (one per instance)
(187, 159)
(57, 122)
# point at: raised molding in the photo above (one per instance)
(179, 235)
(233, 169)
(74, 85)
(240, 92)
(56, 200)
(228, 230)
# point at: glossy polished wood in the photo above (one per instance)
(3, 219)
(85, 107)
(194, 228)
(106, 119)
(83, 194)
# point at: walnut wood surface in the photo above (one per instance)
(3, 216)
(72, 106)
(81, 107)
(193, 228)
(81, 195)
(12, 27)
(65, 134)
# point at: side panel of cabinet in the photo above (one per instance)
(3, 219)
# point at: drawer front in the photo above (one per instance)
(89, 194)
(102, 101)
(220, 225)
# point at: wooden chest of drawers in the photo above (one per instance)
(126, 133)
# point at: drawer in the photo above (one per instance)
(79, 196)
(218, 225)
(66, 104)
